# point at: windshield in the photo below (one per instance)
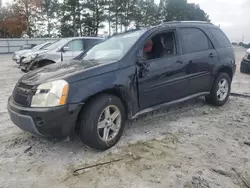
(26, 46)
(113, 48)
(41, 46)
(46, 45)
(56, 44)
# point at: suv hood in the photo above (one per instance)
(32, 52)
(21, 52)
(70, 71)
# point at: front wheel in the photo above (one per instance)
(102, 122)
(220, 91)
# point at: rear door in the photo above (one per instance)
(75, 47)
(200, 57)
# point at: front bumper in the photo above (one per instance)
(56, 122)
(16, 60)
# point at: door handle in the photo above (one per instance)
(180, 62)
(211, 55)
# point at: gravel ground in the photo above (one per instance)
(192, 145)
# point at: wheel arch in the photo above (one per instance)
(45, 61)
(118, 91)
(226, 69)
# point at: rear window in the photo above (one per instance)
(221, 38)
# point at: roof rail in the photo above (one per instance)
(197, 22)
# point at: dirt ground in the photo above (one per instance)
(193, 145)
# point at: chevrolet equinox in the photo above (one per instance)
(122, 77)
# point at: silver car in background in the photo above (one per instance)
(17, 55)
(245, 63)
(62, 50)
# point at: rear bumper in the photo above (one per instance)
(56, 122)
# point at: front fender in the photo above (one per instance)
(123, 81)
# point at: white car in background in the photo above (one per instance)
(17, 55)
(62, 50)
(245, 63)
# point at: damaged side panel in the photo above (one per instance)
(122, 82)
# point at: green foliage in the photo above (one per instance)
(244, 45)
(181, 10)
(87, 17)
(49, 9)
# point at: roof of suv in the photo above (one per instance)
(187, 23)
(175, 24)
(70, 38)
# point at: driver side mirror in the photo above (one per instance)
(65, 49)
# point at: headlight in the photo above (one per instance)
(15, 56)
(51, 94)
(29, 58)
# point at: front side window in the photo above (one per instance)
(194, 40)
(160, 45)
(113, 48)
(75, 45)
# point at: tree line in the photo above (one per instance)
(65, 18)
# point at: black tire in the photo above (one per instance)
(244, 68)
(89, 132)
(212, 98)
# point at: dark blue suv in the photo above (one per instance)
(122, 77)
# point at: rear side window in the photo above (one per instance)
(221, 38)
(90, 42)
(194, 40)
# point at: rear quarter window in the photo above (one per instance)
(221, 38)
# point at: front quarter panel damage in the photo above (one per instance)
(122, 82)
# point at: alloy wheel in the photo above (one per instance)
(223, 89)
(109, 123)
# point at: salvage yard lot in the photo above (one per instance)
(193, 145)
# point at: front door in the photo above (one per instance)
(201, 57)
(162, 77)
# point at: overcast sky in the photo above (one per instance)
(232, 15)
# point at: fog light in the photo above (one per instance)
(39, 122)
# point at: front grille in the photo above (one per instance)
(22, 94)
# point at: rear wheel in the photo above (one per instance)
(220, 90)
(102, 122)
